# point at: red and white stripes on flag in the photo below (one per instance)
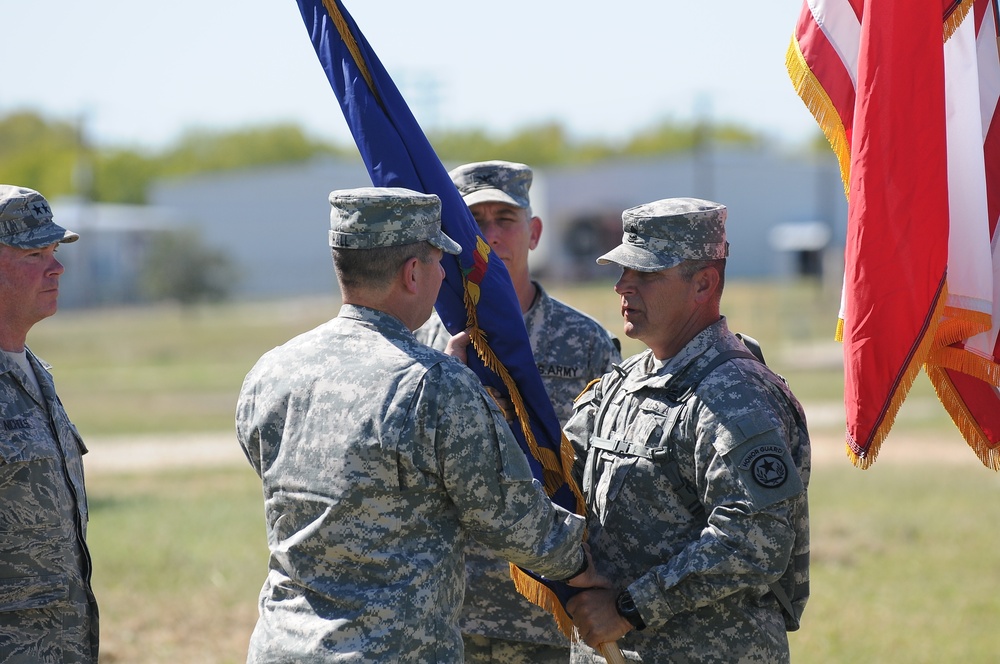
(965, 365)
(907, 95)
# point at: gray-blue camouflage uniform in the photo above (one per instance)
(48, 613)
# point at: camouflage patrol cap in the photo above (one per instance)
(493, 182)
(371, 217)
(664, 233)
(26, 220)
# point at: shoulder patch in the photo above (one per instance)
(766, 465)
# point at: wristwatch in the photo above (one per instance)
(626, 609)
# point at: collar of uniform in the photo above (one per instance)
(538, 305)
(386, 323)
(645, 374)
(8, 365)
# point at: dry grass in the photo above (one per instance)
(904, 553)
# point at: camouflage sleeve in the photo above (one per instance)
(606, 353)
(750, 532)
(258, 428)
(580, 426)
(488, 478)
(246, 434)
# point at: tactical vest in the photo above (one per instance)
(791, 590)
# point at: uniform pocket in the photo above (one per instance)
(33, 619)
(33, 592)
(30, 470)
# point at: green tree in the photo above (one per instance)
(181, 268)
(203, 151)
(53, 157)
(670, 137)
(38, 154)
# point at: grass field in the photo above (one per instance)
(903, 553)
(903, 565)
(166, 369)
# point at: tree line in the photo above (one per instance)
(55, 157)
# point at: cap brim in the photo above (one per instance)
(642, 260)
(445, 243)
(44, 236)
(491, 196)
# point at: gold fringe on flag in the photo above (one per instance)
(351, 43)
(954, 17)
(816, 99)
(540, 595)
(962, 417)
(967, 362)
(919, 357)
(959, 324)
(554, 474)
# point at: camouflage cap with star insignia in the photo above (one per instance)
(662, 234)
(370, 217)
(493, 182)
(26, 220)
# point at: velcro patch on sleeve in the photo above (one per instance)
(761, 458)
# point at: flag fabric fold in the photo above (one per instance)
(477, 294)
(906, 94)
(965, 366)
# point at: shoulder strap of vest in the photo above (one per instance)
(619, 371)
(683, 386)
(752, 345)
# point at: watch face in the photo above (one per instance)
(626, 609)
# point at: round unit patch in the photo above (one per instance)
(767, 465)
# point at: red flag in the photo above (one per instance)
(874, 76)
(965, 369)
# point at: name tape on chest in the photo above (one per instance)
(16, 424)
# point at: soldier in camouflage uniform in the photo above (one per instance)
(380, 457)
(570, 349)
(694, 458)
(48, 613)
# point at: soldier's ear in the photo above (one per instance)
(410, 275)
(706, 283)
(535, 231)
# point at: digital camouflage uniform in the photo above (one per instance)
(380, 457)
(570, 350)
(694, 469)
(48, 613)
(699, 579)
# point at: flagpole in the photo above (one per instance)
(397, 154)
(612, 653)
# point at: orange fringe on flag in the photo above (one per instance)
(553, 468)
(963, 419)
(819, 104)
(923, 350)
(953, 19)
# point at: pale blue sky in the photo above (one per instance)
(142, 72)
